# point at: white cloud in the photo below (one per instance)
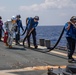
(48, 4)
(59, 3)
(34, 7)
(2, 8)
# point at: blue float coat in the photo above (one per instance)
(71, 32)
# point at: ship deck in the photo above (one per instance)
(28, 61)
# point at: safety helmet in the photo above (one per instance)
(13, 18)
(0, 17)
(36, 18)
(8, 20)
(18, 16)
(73, 18)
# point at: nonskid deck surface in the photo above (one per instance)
(29, 61)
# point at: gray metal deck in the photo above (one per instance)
(20, 61)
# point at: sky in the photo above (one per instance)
(50, 12)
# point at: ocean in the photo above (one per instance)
(51, 33)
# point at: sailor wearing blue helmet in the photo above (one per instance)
(31, 24)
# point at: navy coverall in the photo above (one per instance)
(31, 24)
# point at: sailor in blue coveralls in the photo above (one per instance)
(31, 29)
(19, 23)
(70, 29)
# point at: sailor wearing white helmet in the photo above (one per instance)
(10, 28)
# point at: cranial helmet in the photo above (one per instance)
(36, 18)
(8, 20)
(13, 18)
(73, 18)
(18, 16)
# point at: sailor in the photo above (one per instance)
(19, 23)
(31, 29)
(70, 29)
(9, 28)
(1, 24)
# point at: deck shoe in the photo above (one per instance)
(10, 46)
(17, 43)
(6, 44)
(36, 47)
(72, 60)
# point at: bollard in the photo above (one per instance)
(41, 42)
(47, 43)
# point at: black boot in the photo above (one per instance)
(36, 47)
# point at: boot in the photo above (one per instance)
(10, 46)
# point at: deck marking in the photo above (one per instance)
(60, 53)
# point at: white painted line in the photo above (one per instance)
(60, 53)
(42, 47)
